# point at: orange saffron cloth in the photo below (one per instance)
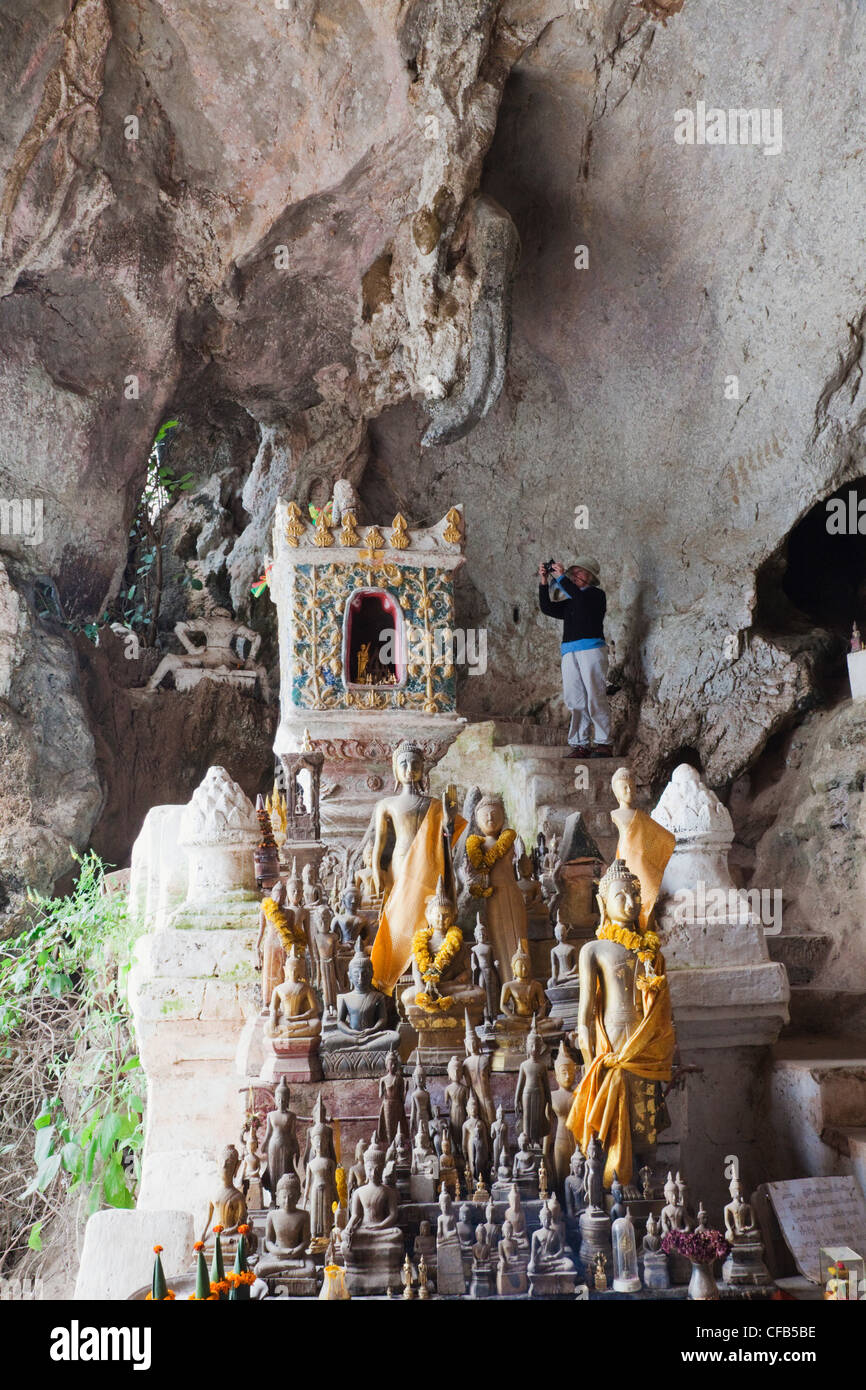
(403, 911)
(601, 1105)
(646, 847)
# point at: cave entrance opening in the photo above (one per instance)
(813, 587)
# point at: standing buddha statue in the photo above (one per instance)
(625, 1032)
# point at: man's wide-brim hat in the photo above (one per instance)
(586, 562)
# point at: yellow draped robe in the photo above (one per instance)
(646, 847)
(601, 1105)
(403, 911)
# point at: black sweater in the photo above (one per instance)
(582, 613)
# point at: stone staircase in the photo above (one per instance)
(540, 785)
(817, 1108)
(814, 1008)
(553, 786)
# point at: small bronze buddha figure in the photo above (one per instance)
(294, 1009)
(287, 1233)
(547, 1256)
(532, 1094)
(281, 1140)
(522, 998)
(362, 1013)
(228, 1209)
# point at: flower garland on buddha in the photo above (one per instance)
(483, 859)
(618, 1097)
(430, 967)
(282, 919)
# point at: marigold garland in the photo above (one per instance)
(481, 858)
(169, 1297)
(431, 967)
(646, 945)
(283, 923)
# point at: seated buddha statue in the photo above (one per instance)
(372, 1241)
(228, 1209)
(522, 1004)
(441, 970)
(738, 1215)
(287, 1233)
(511, 1279)
(361, 1019)
(524, 1167)
(516, 1218)
(294, 1011)
(563, 959)
(522, 997)
(546, 1252)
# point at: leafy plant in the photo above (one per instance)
(67, 1053)
(141, 599)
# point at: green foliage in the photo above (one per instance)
(141, 594)
(88, 1133)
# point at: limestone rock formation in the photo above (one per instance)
(303, 223)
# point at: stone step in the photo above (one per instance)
(830, 1012)
(817, 1107)
(523, 731)
(829, 1074)
(802, 954)
(849, 1142)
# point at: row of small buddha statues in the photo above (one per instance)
(361, 1217)
(359, 1015)
(330, 998)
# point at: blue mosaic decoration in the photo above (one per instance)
(425, 601)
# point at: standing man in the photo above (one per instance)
(584, 653)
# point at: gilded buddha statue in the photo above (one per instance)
(625, 1033)
(420, 828)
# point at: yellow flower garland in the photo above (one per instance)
(283, 922)
(431, 967)
(646, 945)
(485, 858)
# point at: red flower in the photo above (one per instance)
(702, 1247)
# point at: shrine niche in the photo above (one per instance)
(366, 617)
(373, 640)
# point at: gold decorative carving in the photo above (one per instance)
(399, 534)
(452, 532)
(348, 535)
(295, 528)
(374, 540)
(323, 535)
